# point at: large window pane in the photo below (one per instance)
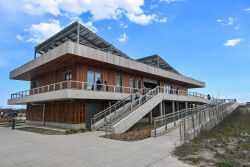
(90, 80)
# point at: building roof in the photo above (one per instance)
(157, 61)
(76, 32)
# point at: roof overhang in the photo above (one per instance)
(75, 50)
(76, 32)
(157, 61)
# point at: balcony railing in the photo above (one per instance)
(86, 86)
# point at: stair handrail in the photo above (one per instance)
(104, 113)
(141, 100)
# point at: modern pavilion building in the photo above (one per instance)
(75, 75)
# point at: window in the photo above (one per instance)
(67, 75)
(139, 84)
(118, 83)
(132, 84)
(167, 89)
(92, 77)
(34, 84)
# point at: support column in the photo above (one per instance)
(186, 105)
(173, 106)
(177, 106)
(161, 111)
(163, 107)
(151, 117)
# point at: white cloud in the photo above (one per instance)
(90, 26)
(237, 27)
(219, 20)
(123, 37)
(232, 42)
(169, 1)
(153, 6)
(40, 32)
(163, 20)
(109, 27)
(247, 9)
(123, 25)
(19, 37)
(100, 9)
(230, 21)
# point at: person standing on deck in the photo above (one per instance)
(99, 84)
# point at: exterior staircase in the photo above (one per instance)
(121, 116)
(107, 119)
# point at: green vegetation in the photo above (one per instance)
(72, 131)
(137, 132)
(193, 160)
(227, 145)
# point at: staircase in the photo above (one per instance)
(114, 114)
(121, 116)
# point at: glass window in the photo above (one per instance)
(34, 84)
(167, 89)
(139, 84)
(118, 83)
(67, 75)
(92, 77)
(132, 84)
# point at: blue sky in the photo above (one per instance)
(208, 40)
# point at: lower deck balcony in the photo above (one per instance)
(83, 90)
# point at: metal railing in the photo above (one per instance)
(122, 108)
(70, 84)
(181, 114)
(191, 125)
(175, 116)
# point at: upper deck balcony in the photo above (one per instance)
(83, 90)
(78, 44)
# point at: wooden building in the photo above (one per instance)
(78, 74)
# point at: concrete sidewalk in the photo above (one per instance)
(26, 149)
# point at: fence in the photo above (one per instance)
(206, 119)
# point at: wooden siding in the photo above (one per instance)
(70, 111)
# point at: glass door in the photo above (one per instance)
(118, 83)
(90, 80)
(167, 89)
(92, 77)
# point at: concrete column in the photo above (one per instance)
(163, 107)
(177, 106)
(173, 106)
(161, 111)
(151, 117)
(186, 105)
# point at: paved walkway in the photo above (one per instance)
(26, 149)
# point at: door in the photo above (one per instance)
(166, 89)
(118, 83)
(91, 110)
(92, 77)
(168, 107)
(132, 84)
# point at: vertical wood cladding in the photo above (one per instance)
(70, 111)
(79, 73)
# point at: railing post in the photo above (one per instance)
(60, 85)
(155, 127)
